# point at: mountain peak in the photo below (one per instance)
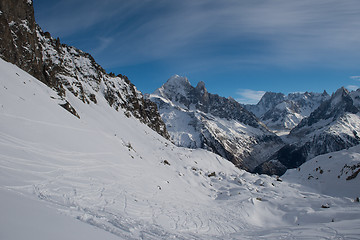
(341, 92)
(177, 80)
(272, 95)
(271, 99)
(201, 87)
(339, 96)
(176, 89)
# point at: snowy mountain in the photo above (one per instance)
(197, 119)
(69, 71)
(331, 127)
(59, 173)
(281, 113)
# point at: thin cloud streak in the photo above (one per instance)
(356, 78)
(352, 87)
(275, 33)
(248, 96)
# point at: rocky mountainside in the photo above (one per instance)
(281, 112)
(333, 126)
(66, 69)
(198, 119)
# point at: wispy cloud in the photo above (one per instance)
(248, 96)
(282, 33)
(104, 43)
(357, 78)
(352, 87)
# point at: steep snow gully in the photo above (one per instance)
(115, 173)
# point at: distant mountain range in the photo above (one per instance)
(333, 126)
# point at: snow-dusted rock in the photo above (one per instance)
(282, 113)
(333, 126)
(196, 118)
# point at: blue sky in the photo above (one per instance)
(238, 48)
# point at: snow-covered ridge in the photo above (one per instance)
(113, 172)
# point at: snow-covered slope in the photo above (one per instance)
(334, 174)
(282, 113)
(117, 174)
(23, 217)
(197, 119)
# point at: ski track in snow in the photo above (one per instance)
(109, 171)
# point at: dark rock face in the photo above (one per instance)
(66, 69)
(271, 168)
(270, 100)
(18, 40)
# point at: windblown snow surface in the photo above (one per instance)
(107, 176)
